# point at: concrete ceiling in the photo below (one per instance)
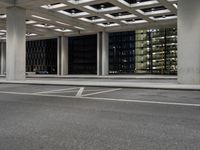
(52, 18)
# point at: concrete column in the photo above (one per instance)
(0, 61)
(58, 56)
(15, 51)
(64, 58)
(99, 54)
(105, 53)
(3, 58)
(188, 42)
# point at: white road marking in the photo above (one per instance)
(58, 90)
(80, 92)
(18, 93)
(105, 99)
(85, 90)
(107, 91)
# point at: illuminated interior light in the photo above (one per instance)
(108, 24)
(73, 14)
(3, 16)
(79, 1)
(133, 21)
(44, 26)
(3, 31)
(54, 6)
(93, 20)
(30, 22)
(31, 34)
(63, 30)
(121, 16)
(176, 6)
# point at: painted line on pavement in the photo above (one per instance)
(58, 90)
(80, 92)
(106, 91)
(105, 99)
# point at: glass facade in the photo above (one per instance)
(83, 54)
(151, 51)
(41, 56)
(142, 55)
(122, 53)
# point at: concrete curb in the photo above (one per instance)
(162, 86)
(143, 77)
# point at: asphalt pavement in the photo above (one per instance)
(42, 117)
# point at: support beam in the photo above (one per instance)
(59, 56)
(15, 55)
(63, 56)
(99, 54)
(3, 58)
(105, 53)
(188, 39)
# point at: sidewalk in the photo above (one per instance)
(147, 83)
(106, 77)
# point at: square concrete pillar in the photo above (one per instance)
(188, 42)
(3, 58)
(99, 54)
(103, 53)
(63, 56)
(15, 50)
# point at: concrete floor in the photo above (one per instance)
(34, 117)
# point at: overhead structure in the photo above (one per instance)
(48, 18)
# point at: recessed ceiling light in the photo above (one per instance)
(54, 6)
(93, 20)
(2, 16)
(108, 24)
(31, 34)
(73, 13)
(3, 31)
(102, 6)
(79, 1)
(44, 26)
(63, 30)
(30, 22)
(134, 21)
(175, 5)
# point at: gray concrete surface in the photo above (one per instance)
(36, 117)
(112, 83)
